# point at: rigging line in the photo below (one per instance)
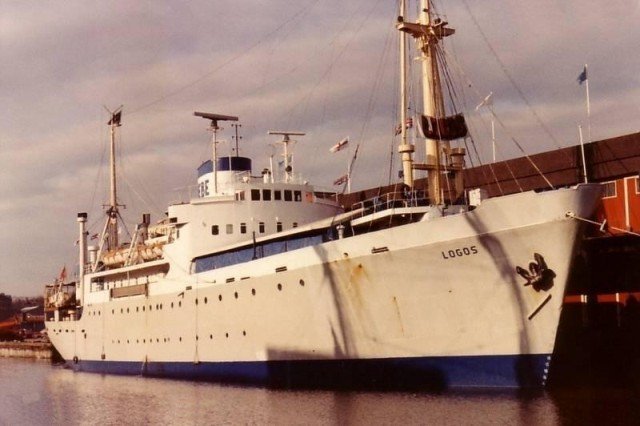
(305, 98)
(508, 75)
(376, 86)
(230, 60)
(504, 127)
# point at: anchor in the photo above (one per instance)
(539, 276)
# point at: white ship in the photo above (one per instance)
(267, 280)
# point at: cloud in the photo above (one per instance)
(326, 68)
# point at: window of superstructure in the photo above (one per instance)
(229, 228)
(288, 196)
(215, 230)
(278, 226)
(243, 228)
(255, 195)
(277, 195)
(295, 224)
(609, 189)
(266, 195)
(297, 195)
(240, 195)
(261, 227)
(206, 187)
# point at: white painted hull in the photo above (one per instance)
(437, 292)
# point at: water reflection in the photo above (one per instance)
(37, 394)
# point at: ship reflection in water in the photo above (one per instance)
(36, 393)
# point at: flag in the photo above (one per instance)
(63, 274)
(94, 237)
(341, 180)
(115, 119)
(488, 100)
(583, 76)
(408, 124)
(337, 147)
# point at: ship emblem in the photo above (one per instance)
(539, 276)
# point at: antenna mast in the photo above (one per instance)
(286, 140)
(214, 141)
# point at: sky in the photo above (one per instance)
(324, 67)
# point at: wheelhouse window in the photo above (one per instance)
(277, 195)
(240, 195)
(278, 226)
(261, 227)
(243, 228)
(266, 195)
(215, 230)
(255, 195)
(297, 195)
(609, 189)
(288, 196)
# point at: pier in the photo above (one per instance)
(34, 350)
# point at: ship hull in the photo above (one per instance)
(435, 373)
(433, 304)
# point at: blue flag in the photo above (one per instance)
(583, 76)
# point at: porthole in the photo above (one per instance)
(279, 286)
(121, 310)
(144, 340)
(236, 294)
(211, 336)
(137, 309)
(196, 301)
(220, 297)
(205, 300)
(150, 308)
(253, 291)
(171, 305)
(143, 308)
(127, 310)
(113, 311)
(226, 335)
(244, 333)
(302, 282)
(179, 303)
(196, 337)
(180, 339)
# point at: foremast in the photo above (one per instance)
(428, 32)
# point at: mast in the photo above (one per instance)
(428, 34)
(112, 211)
(286, 140)
(214, 140)
(405, 149)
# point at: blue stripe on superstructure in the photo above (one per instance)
(502, 371)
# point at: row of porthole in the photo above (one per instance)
(206, 300)
(166, 339)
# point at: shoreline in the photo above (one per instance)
(33, 350)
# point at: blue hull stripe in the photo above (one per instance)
(508, 371)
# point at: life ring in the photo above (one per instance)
(75, 359)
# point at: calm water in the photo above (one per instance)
(36, 393)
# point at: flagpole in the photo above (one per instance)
(588, 103)
(584, 162)
(493, 138)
